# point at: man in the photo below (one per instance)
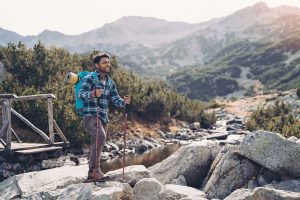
(97, 93)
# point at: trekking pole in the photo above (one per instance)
(97, 135)
(124, 147)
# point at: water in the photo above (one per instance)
(147, 158)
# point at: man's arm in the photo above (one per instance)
(85, 92)
(115, 97)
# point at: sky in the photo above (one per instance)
(72, 17)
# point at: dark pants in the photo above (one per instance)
(90, 126)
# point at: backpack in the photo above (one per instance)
(79, 102)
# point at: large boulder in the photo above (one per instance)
(28, 184)
(103, 191)
(192, 161)
(272, 151)
(228, 172)
(132, 174)
(261, 193)
(147, 189)
(176, 192)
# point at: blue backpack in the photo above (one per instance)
(79, 102)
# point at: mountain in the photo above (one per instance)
(194, 53)
(243, 68)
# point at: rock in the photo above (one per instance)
(195, 126)
(234, 127)
(191, 161)
(193, 198)
(235, 139)
(298, 141)
(114, 146)
(132, 174)
(179, 181)
(219, 136)
(176, 192)
(147, 189)
(252, 184)
(266, 194)
(261, 180)
(25, 185)
(240, 194)
(235, 121)
(270, 150)
(17, 168)
(82, 161)
(290, 185)
(103, 191)
(6, 166)
(62, 161)
(293, 138)
(228, 172)
(36, 167)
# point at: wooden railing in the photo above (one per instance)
(6, 101)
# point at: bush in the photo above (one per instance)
(277, 118)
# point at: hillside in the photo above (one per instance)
(243, 68)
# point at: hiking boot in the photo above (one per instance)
(97, 176)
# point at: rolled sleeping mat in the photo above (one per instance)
(71, 78)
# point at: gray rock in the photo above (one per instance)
(261, 180)
(176, 192)
(195, 126)
(191, 161)
(193, 198)
(252, 184)
(285, 190)
(114, 146)
(290, 185)
(179, 181)
(147, 189)
(132, 174)
(228, 172)
(25, 185)
(272, 151)
(62, 161)
(240, 194)
(104, 191)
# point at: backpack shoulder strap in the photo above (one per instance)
(94, 75)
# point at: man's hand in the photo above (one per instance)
(97, 93)
(127, 99)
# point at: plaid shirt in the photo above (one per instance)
(89, 84)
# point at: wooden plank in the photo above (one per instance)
(8, 133)
(4, 128)
(15, 134)
(41, 133)
(34, 97)
(62, 136)
(50, 120)
(38, 150)
(8, 96)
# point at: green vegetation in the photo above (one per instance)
(40, 70)
(277, 118)
(276, 65)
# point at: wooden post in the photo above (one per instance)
(8, 133)
(50, 120)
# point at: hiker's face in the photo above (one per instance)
(104, 65)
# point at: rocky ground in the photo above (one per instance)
(225, 162)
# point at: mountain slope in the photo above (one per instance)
(243, 68)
